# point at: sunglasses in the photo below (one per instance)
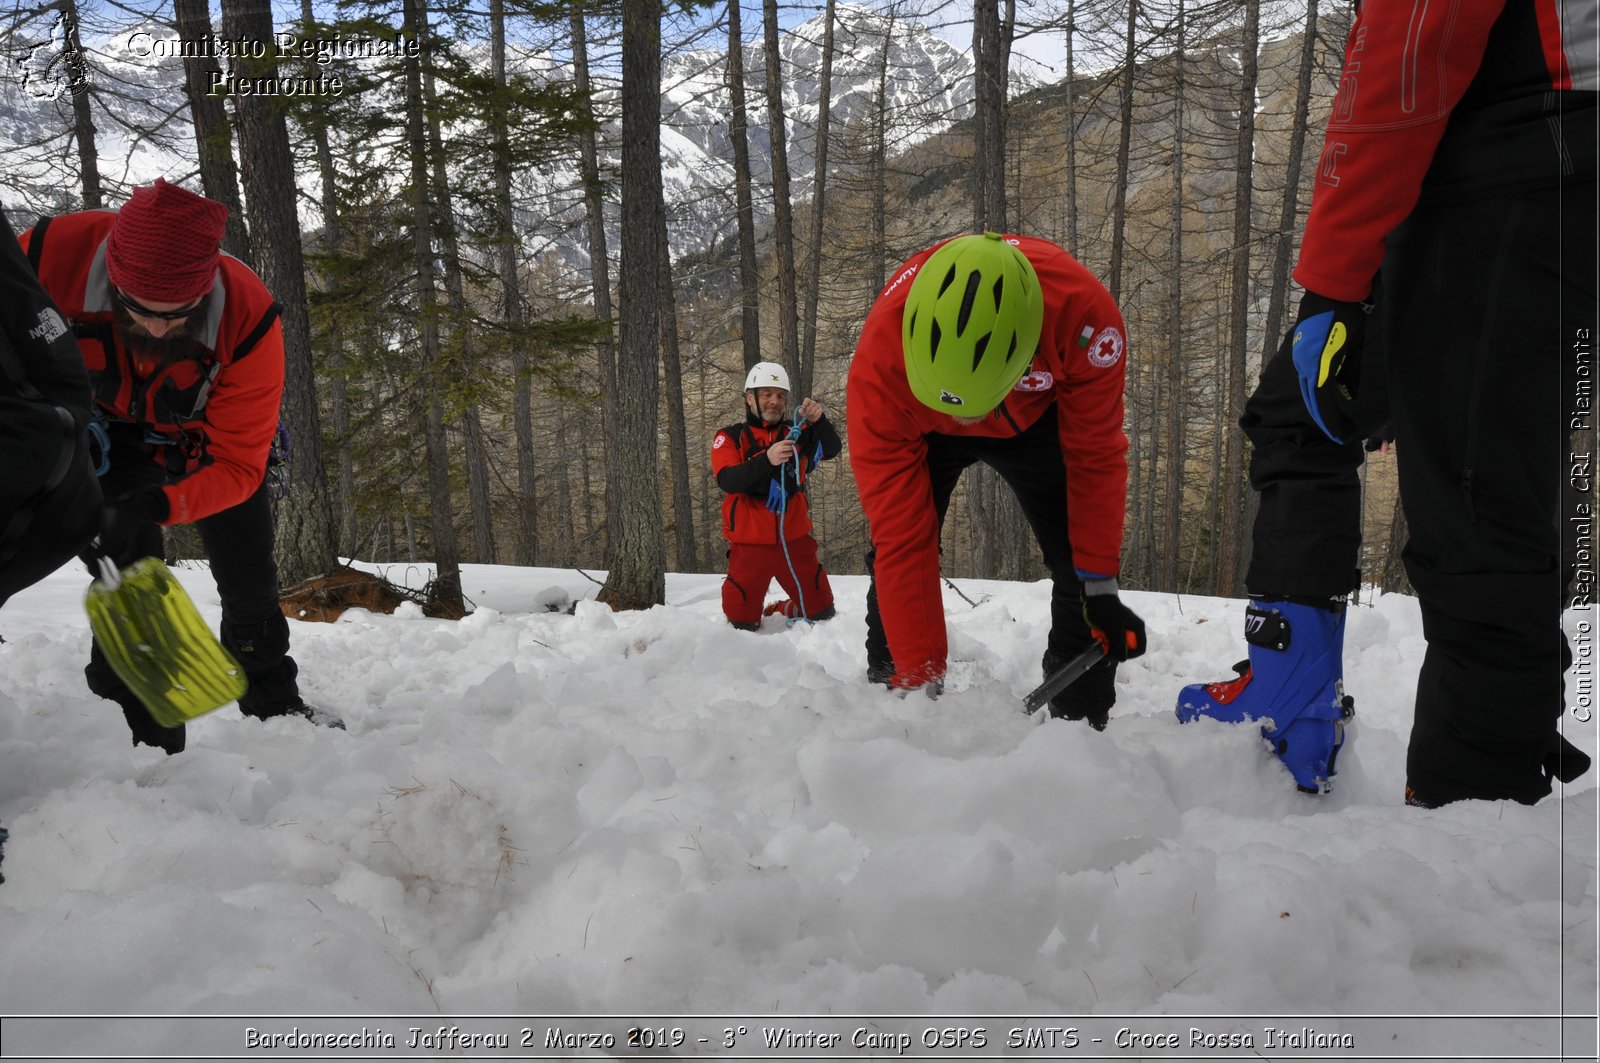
(134, 307)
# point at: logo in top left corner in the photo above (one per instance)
(55, 64)
(50, 328)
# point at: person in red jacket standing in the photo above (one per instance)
(765, 516)
(1448, 264)
(185, 358)
(1003, 350)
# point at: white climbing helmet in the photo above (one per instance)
(766, 375)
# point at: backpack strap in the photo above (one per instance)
(36, 242)
(248, 344)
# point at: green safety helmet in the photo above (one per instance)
(971, 325)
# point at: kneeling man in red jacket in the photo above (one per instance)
(763, 465)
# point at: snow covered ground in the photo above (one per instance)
(652, 814)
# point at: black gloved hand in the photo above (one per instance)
(1326, 345)
(1114, 625)
(122, 522)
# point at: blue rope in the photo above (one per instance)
(100, 442)
(783, 540)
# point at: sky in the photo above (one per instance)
(655, 821)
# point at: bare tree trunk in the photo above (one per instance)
(988, 126)
(782, 209)
(744, 205)
(1230, 552)
(1291, 182)
(588, 486)
(1394, 579)
(677, 443)
(1119, 206)
(82, 119)
(710, 518)
(440, 505)
(879, 164)
(599, 266)
(1072, 134)
(213, 137)
(1221, 430)
(527, 507)
(1152, 508)
(307, 541)
(332, 244)
(565, 517)
(1176, 406)
(465, 364)
(476, 457)
(1137, 414)
(819, 192)
(635, 554)
(349, 522)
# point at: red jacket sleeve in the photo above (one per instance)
(724, 452)
(733, 471)
(889, 458)
(241, 418)
(1406, 67)
(1089, 343)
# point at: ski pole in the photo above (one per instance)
(1063, 677)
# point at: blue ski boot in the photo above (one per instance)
(1292, 681)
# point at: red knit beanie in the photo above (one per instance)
(165, 245)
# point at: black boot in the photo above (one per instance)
(1090, 698)
(262, 650)
(145, 729)
(104, 682)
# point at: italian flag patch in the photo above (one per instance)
(1085, 336)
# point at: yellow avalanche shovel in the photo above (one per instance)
(154, 639)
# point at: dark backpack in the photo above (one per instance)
(49, 496)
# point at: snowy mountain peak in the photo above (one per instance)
(884, 68)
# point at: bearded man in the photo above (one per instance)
(185, 357)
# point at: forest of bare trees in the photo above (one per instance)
(513, 328)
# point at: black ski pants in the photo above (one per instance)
(1306, 540)
(238, 542)
(1482, 304)
(1481, 426)
(1031, 465)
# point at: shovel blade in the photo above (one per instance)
(154, 639)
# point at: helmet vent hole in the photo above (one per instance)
(999, 291)
(1012, 349)
(978, 349)
(949, 278)
(968, 297)
(933, 341)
